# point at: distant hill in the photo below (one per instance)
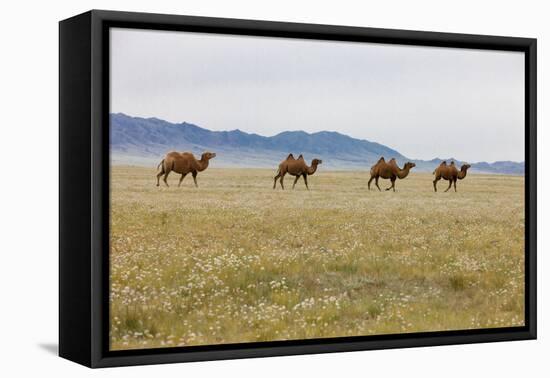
(143, 141)
(498, 167)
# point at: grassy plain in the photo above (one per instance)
(236, 261)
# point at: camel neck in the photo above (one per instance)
(203, 164)
(402, 173)
(311, 170)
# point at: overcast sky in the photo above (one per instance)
(425, 102)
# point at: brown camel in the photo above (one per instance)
(297, 168)
(183, 163)
(450, 173)
(389, 170)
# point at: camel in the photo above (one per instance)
(389, 170)
(449, 173)
(297, 168)
(183, 163)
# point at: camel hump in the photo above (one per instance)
(443, 163)
(290, 157)
(372, 168)
(301, 157)
(452, 162)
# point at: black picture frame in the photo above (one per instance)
(84, 187)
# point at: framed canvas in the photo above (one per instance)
(181, 241)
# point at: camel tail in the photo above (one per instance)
(161, 163)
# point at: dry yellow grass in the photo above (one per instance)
(235, 261)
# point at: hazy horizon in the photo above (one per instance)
(458, 158)
(424, 102)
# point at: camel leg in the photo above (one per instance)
(194, 173)
(161, 172)
(437, 178)
(181, 178)
(392, 186)
(165, 177)
(158, 177)
(449, 187)
(454, 184)
(305, 180)
(275, 180)
(376, 183)
(295, 181)
(281, 181)
(370, 180)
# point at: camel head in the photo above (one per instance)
(208, 155)
(409, 165)
(463, 171)
(316, 162)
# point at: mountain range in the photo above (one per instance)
(144, 141)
